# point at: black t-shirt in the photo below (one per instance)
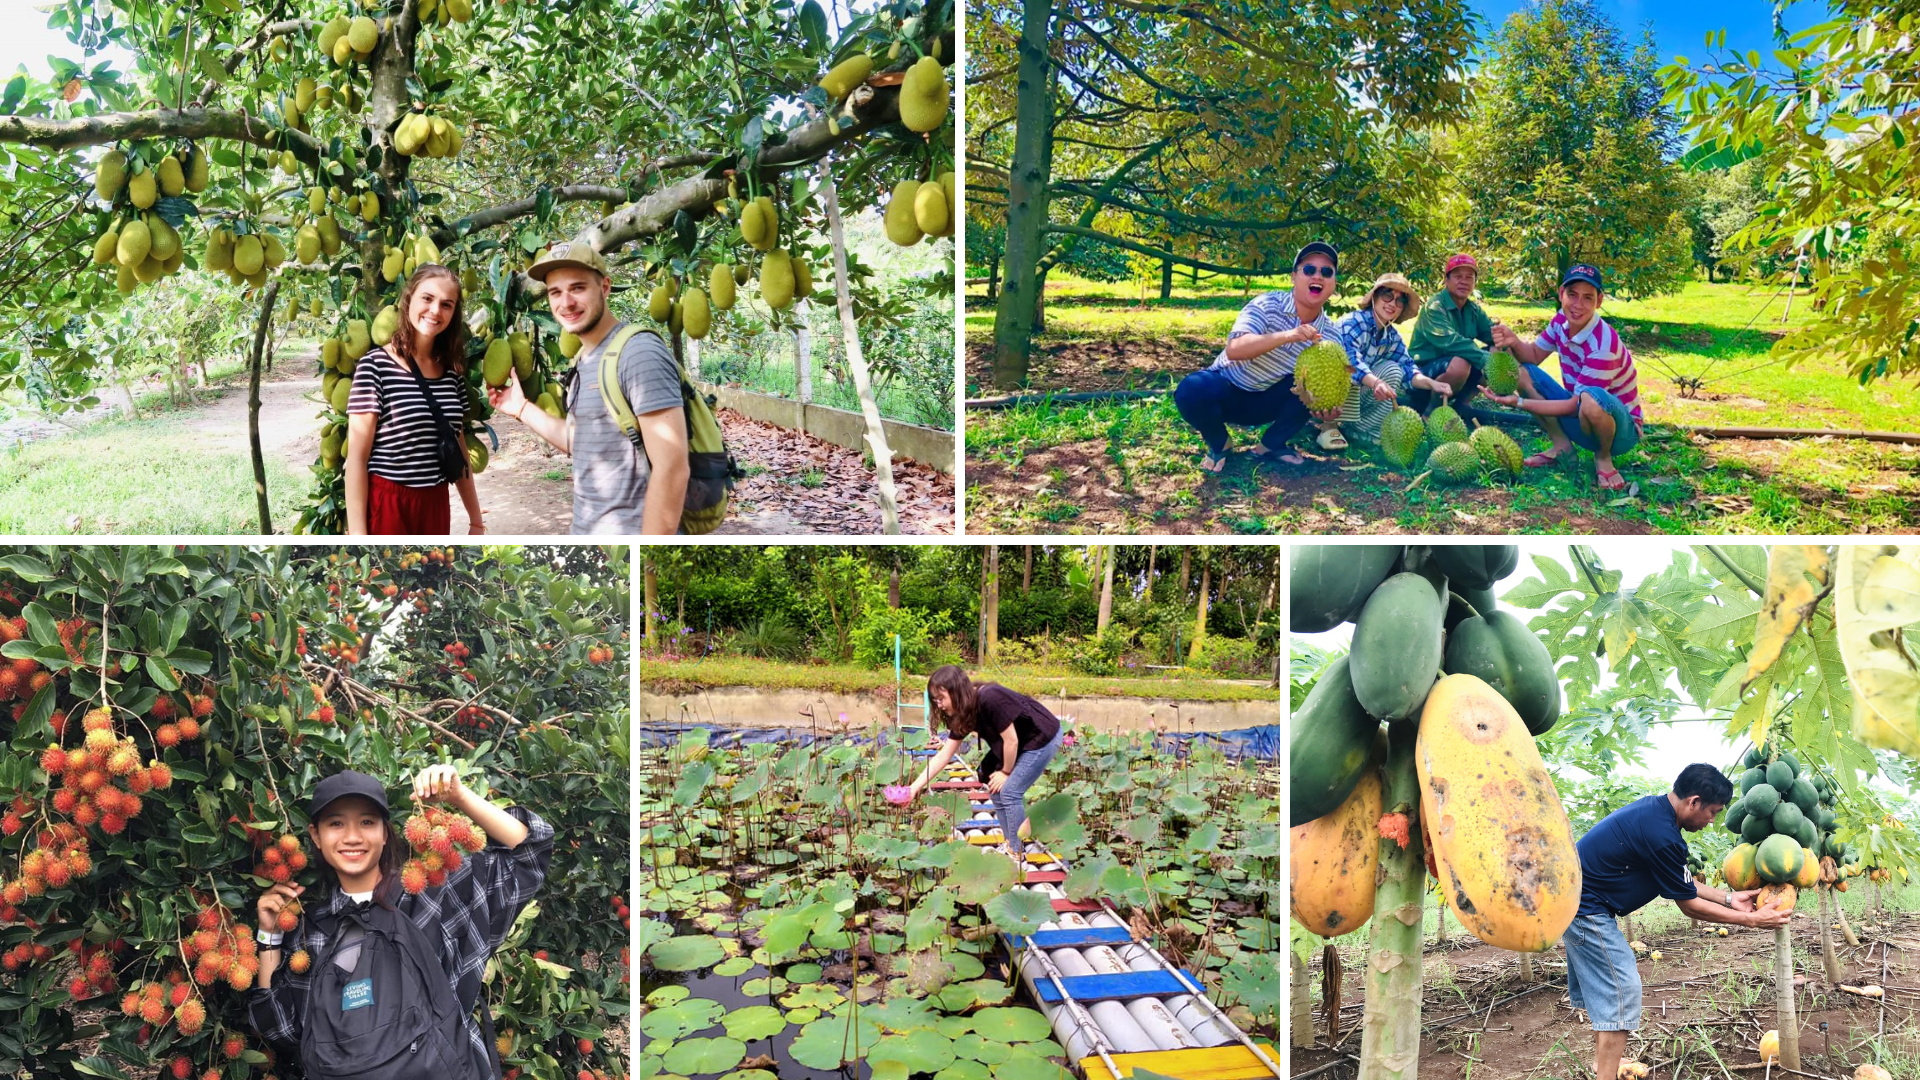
(1635, 854)
(996, 707)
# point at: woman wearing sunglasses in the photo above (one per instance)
(1381, 366)
(1251, 382)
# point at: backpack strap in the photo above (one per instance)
(611, 394)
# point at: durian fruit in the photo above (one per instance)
(1323, 375)
(931, 211)
(106, 249)
(1445, 426)
(1454, 462)
(173, 180)
(659, 304)
(924, 95)
(776, 280)
(248, 255)
(497, 363)
(1503, 372)
(111, 176)
(1497, 449)
(569, 344)
(720, 285)
(901, 226)
(384, 324)
(1402, 435)
(135, 241)
(845, 75)
(696, 318)
(143, 189)
(198, 170)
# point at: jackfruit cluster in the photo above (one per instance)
(427, 136)
(345, 41)
(918, 210)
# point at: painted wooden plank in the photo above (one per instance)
(1084, 935)
(987, 838)
(1232, 1062)
(1076, 905)
(923, 753)
(957, 785)
(1121, 987)
(1040, 877)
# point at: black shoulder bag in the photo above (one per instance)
(447, 452)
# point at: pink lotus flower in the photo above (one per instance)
(899, 794)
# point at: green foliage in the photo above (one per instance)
(873, 637)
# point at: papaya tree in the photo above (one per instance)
(315, 152)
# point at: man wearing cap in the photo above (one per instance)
(1598, 384)
(1381, 366)
(1451, 339)
(1251, 381)
(617, 490)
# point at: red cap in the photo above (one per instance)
(1461, 260)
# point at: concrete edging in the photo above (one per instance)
(743, 706)
(928, 446)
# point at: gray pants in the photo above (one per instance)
(1010, 804)
(1364, 414)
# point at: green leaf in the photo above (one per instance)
(978, 876)
(27, 568)
(688, 953)
(1020, 911)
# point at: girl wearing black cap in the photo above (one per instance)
(460, 921)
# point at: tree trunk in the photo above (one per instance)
(1846, 928)
(1526, 967)
(1200, 611)
(980, 624)
(993, 278)
(993, 602)
(263, 507)
(1301, 1020)
(1271, 594)
(1026, 569)
(857, 362)
(893, 587)
(133, 405)
(650, 589)
(1390, 1034)
(1827, 958)
(1440, 918)
(1784, 1020)
(1166, 279)
(1106, 589)
(802, 363)
(1186, 572)
(1018, 310)
(1153, 554)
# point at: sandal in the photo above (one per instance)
(1287, 456)
(1545, 457)
(1331, 439)
(1618, 483)
(1213, 464)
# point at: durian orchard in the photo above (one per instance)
(294, 170)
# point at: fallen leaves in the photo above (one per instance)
(798, 483)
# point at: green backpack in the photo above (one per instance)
(710, 468)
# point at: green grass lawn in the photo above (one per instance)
(1703, 357)
(138, 476)
(674, 676)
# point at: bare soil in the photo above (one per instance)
(1101, 364)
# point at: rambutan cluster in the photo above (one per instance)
(471, 720)
(162, 1000)
(599, 654)
(25, 953)
(220, 949)
(88, 775)
(95, 963)
(76, 636)
(457, 652)
(58, 859)
(280, 861)
(442, 839)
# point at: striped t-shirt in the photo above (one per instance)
(406, 440)
(1596, 359)
(1370, 345)
(1268, 313)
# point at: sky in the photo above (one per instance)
(1681, 28)
(27, 40)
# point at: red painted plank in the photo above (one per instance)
(1039, 877)
(956, 785)
(1076, 905)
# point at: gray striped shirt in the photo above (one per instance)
(1268, 313)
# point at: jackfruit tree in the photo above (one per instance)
(315, 152)
(1213, 123)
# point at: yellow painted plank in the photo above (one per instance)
(1040, 858)
(985, 839)
(1234, 1062)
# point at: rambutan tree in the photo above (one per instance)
(170, 709)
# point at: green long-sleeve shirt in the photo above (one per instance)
(1444, 330)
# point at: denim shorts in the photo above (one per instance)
(1626, 436)
(1602, 975)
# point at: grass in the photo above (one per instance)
(720, 671)
(138, 476)
(1131, 465)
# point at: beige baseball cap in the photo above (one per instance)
(569, 254)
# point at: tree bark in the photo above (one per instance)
(993, 603)
(1186, 573)
(1153, 555)
(1200, 610)
(650, 590)
(1166, 279)
(1301, 1018)
(1846, 928)
(857, 363)
(1106, 590)
(1017, 310)
(1440, 918)
(1784, 1020)
(1526, 967)
(264, 508)
(1390, 1034)
(1827, 958)
(1026, 570)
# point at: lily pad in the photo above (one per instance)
(681, 1019)
(688, 953)
(705, 1055)
(747, 1074)
(774, 986)
(1053, 814)
(1187, 806)
(814, 994)
(1011, 1025)
(922, 1050)
(1022, 1065)
(830, 1041)
(755, 1022)
(803, 973)
(734, 965)
(963, 1069)
(965, 965)
(901, 1014)
(668, 995)
(973, 1046)
(1020, 911)
(978, 876)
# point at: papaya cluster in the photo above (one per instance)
(141, 244)
(1784, 818)
(1453, 454)
(918, 210)
(1434, 660)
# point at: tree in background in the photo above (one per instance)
(1567, 156)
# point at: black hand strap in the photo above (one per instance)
(439, 419)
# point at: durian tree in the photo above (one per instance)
(316, 151)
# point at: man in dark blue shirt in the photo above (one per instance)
(1633, 856)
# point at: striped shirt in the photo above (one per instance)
(1268, 313)
(1370, 345)
(466, 917)
(1594, 359)
(406, 439)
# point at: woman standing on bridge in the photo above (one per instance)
(1021, 736)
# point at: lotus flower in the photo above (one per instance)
(899, 794)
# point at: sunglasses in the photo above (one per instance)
(1310, 270)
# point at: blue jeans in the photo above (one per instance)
(1010, 802)
(1209, 401)
(1602, 975)
(1625, 435)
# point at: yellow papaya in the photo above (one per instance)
(1781, 896)
(1809, 875)
(1333, 860)
(1738, 868)
(1502, 848)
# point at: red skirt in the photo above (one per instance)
(398, 510)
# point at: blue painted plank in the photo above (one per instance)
(1133, 984)
(1089, 935)
(923, 753)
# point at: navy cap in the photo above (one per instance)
(342, 784)
(1318, 247)
(1583, 272)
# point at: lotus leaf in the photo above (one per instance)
(923, 1050)
(735, 965)
(688, 953)
(705, 1055)
(685, 1018)
(755, 1022)
(830, 1041)
(979, 876)
(963, 1069)
(1011, 1025)
(1020, 911)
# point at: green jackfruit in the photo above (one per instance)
(331, 33)
(1454, 462)
(165, 243)
(150, 270)
(476, 455)
(107, 248)
(569, 344)
(173, 180)
(330, 447)
(135, 241)
(902, 228)
(316, 200)
(143, 189)
(673, 318)
(549, 406)
(197, 170)
(776, 280)
(1402, 435)
(124, 280)
(363, 34)
(393, 263)
(953, 205)
(1497, 449)
(846, 75)
(1323, 375)
(329, 235)
(923, 95)
(342, 390)
(111, 176)
(274, 252)
(522, 347)
(1445, 426)
(219, 257)
(498, 362)
(303, 94)
(802, 280)
(696, 318)
(248, 255)
(1503, 372)
(358, 340)
(425, 251)
(931, 211)
(720, 286)
(659, 304)
(306, 245)
(760, 223)
(330, 354)
(384, 324)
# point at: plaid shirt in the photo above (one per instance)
(467, 917)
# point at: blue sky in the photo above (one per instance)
(1680, 26)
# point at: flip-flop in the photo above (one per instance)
(1619, 482)
(1331, 439)
(1543, 458)
(1212, 464)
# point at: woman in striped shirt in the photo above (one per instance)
(394, 484)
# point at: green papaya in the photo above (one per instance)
(1780, 775)
(1825, 818)
(1751, 779)
(1762, 801)
(1483, 600)
(1330, 739)
(1779, 858)
(1752, 758)
(1736, 817)
(1792, 762)
(1397, 646)
(1477, 566)
(1787, 818)
(1328, 583)
(1501, 651)
(1803, 795)
(1808, 834)
(1756, 828)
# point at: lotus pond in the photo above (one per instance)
(794, 925)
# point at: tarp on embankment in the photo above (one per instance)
(1262, 742)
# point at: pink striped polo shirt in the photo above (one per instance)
(1595, 359)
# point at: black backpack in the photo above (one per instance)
(393, 1017)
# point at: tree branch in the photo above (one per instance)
(1170, 256)
(157, 123)
(519, 208)
(264, 35)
